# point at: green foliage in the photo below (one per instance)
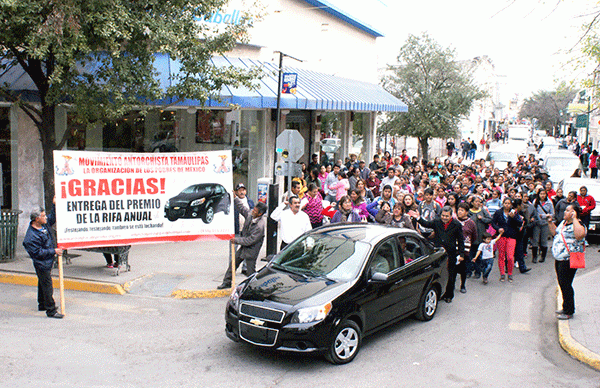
(98, 54)
(438, 90)
(98, 57)
(545, 106)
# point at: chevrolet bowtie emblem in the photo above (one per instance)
(257, 322)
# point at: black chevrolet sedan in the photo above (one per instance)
(203, 200)
(335, 284)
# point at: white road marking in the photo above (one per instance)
(520, 311)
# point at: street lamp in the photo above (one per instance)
(279, 82)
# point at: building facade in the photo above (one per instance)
(337, 96)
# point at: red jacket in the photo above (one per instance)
(589, 203)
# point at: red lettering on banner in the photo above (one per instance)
(152, 188)
(104, 187)
(138, 187)
(117, 186)
(89, 187)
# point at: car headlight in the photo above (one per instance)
(167, 203)
(311, 314)
(198, 202)
(234, 298)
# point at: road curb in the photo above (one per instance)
(191, 294)
(570, 345)
(69, 284)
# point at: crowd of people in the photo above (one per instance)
(509, 214)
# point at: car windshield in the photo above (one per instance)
(322, 255)
(570, 164)
(190, 190)
(502, 157)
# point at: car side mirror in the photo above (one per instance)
(379, 277)
(267, 258)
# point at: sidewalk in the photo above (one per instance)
(180, 270)
(580, 336)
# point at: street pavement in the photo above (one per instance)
(195, 269)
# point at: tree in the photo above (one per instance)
(546, 106)
(436, 88)
(97, 56)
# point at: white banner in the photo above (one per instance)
(110, 199)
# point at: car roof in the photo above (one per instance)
(370, 233)
(561, 154)
(580, 181)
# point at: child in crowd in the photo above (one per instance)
(342, 186)
(486, 251)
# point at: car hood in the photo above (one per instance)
(277, 286)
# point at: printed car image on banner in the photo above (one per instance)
(115, 198)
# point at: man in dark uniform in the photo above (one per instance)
(447, 234)
(250, 241)
(40, 246)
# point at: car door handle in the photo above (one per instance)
(399, 281)
(428, 267)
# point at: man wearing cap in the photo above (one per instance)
(364, 170)
(250, 241)
(247, 203)
(40, 246)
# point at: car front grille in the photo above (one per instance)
(258, 335)
(255, 321)
(259, 312)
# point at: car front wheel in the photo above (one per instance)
(209, 214)
(346, 343)
(427, 304)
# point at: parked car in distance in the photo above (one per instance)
(506, 153)
(334, 285)
(330, 145)
(202, 200)
(561, 164)
(593, 187)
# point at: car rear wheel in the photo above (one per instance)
(209, 214)
(346, 343)
(428, 304)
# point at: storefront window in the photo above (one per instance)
(211, 128)
(77, 139)
(126, 134)
(252, 151)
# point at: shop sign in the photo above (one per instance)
(112, 199)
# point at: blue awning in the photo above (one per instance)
(315, 91)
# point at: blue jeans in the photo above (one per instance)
(486, 266)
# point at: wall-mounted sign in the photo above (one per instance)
(290, 81)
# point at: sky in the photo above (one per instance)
(530, 42)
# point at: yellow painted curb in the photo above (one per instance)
(70, 284)
(570, 345)
(190, 294)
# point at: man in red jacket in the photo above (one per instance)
(587, 204)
